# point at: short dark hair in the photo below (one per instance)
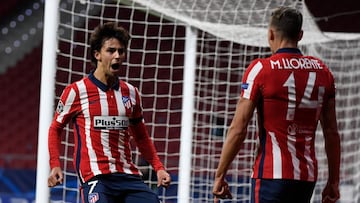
(104, 32)
(288, 21)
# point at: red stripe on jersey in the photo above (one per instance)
(268, 159)
(257, 190)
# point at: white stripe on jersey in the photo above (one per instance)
(70, 99)
(104, 135)
(290, 84)
(132, 94)
(295, 161)
(277, 159)
(250, 79)
(85, 109)
(310, 163)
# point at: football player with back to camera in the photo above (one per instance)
(106, 112)
(291, 93)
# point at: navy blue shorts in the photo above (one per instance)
(281, 191)
(119, 188)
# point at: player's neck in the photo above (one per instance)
(108, 79)
(285, 44)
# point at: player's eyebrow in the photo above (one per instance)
(113, 49)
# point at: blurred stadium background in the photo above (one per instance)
(21, 32)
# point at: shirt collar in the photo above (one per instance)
(101, 85)
(289, 50)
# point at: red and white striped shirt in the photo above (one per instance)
(103, 121)
(289, 89)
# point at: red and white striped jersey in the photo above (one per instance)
(289, 90)
(102, 120)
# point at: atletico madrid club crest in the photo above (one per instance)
(127, 102)
(93, 197)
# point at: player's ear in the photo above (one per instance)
(300, 35)
(97, 55)
(271, 34)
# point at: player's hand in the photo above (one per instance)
(56, 177)
(221, 190)
(330, 193)
(164, 178)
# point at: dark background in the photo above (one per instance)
(336, 15)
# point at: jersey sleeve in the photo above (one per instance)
(330, 86)
(332, 90)
(137, 113)
(65, 110)
(251, 82)
(146, 146)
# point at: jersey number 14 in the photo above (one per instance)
(306, 101)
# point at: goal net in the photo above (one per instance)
(229, 35)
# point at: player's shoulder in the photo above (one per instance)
(129, 88)
(258, 68)
(83, 80)
(123, 82)
(314, 58)
(258, 64)
(127, 85)
(257, 60)
(320, 63)
(75, 84)
(71, 89)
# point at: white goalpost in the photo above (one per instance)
(187, 58)
(47, 95)
(187, 120)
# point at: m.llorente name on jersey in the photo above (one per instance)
(111, 122)
(295, 63)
